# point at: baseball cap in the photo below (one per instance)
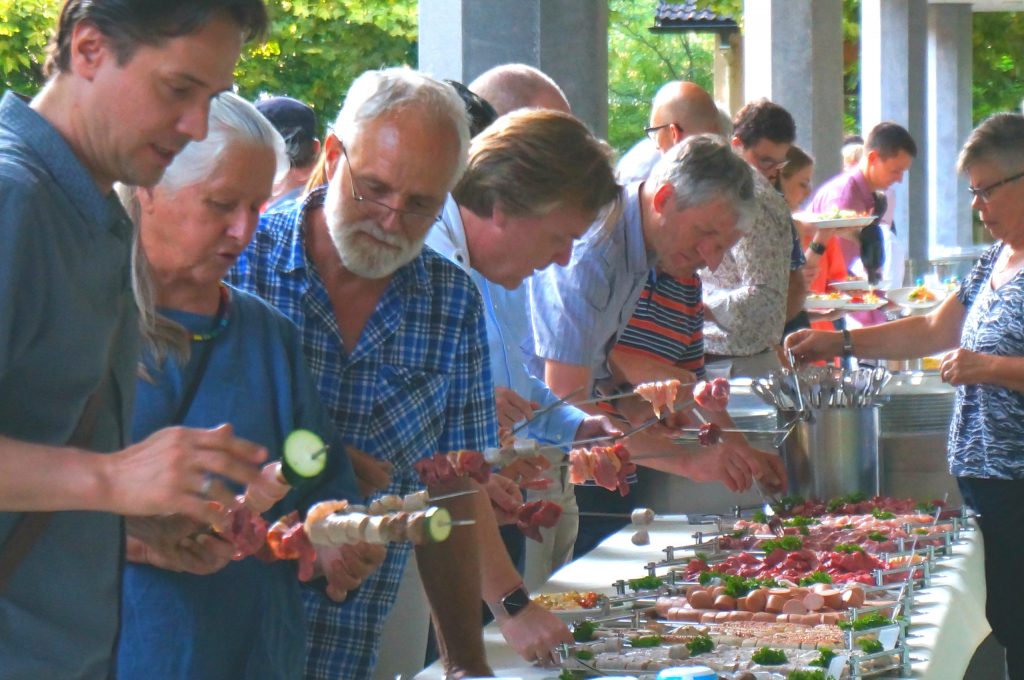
(294, 120)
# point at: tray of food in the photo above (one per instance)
(917, 298)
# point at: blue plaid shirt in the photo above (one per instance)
(416, 383)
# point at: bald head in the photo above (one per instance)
(685, 109)
(517, 86)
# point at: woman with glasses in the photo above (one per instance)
(214, 354)
(982, 326)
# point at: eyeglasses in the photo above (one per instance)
(767, 163)
(652, 131)
(408, 218)
(983, 194)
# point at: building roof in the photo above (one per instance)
(679, 17)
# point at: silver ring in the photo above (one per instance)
(204, 488)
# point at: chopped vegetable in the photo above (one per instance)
(926, 508)
(815, 577)
(869, 645)
(786, 543)
(921, 532)
(702, 556)
(735, 586)
(847, 548)
(584, 655)
(872, 620)
(766, 656)
(567, 674)
(806, 675)
(882, 514)
(583, 631)
(877, 536)
(840, 501)
(799, 521)
(739, 533)
(760, 517)
(825, 656)
(645, 583)
(787, 503)
(645, 641)
(700, 645)
(303, 456)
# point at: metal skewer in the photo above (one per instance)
(654, 420)
(545, 409)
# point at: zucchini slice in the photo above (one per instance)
(438, 525)
(304, 456)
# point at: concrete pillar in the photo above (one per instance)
(949, 124)
(729, 73)
(567, 39)
(893, 88)
(793, 55)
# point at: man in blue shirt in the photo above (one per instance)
(68, 320)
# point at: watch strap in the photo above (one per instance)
(847, 343)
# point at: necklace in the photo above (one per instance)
(220, 321)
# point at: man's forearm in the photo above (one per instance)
(451, 578)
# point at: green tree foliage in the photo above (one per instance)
(639, 62)
(25, 28)
(317, 47)
(998, 63)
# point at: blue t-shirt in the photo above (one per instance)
(67, 317)
(986, 437)
(247, 620)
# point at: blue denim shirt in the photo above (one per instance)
(65, 306)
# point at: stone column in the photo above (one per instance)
(793, 55)
(729, 73)
(949, 124)
(567, 39)
(893, 88)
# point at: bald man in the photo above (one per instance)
(518, 86)
(680, 109)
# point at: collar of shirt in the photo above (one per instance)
(411, 278)
(638, 258)
(448, 235)
(53, 154)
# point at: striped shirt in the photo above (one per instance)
(986, 435)
(668, 323)
(416, 383)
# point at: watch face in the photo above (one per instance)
(516, 601)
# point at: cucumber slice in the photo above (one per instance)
(438, 525)
(305, 456)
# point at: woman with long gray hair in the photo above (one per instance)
(213, 354)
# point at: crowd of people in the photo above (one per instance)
(187, 278)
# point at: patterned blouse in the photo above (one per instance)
(986, 438)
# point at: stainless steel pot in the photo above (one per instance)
(834, 452)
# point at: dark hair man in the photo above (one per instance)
(130, 84)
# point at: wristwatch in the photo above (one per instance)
(847, 343)
(816, 248)
(513, 603)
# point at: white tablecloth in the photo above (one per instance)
(947, 625)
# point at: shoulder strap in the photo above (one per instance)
(30, 525)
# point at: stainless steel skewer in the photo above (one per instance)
(654, 420)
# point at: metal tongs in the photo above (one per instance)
(774, 521)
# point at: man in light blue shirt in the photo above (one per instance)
(691, 210)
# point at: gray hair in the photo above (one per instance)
(376, 94)
(232, 121)
(704, 168)
(999, 139)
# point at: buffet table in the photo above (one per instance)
(947, 622)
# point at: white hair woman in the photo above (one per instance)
(213, 355)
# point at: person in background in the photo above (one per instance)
(794, 183)
(297, 124)
(214, 354)
(690, 211)
(852, 151)
(508, 87)
(980, 327)
(128, 86)
(745, 299)
(889, 152)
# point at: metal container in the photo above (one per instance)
(833, 453)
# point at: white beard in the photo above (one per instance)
(360, 255)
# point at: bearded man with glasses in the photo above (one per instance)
(394, 334)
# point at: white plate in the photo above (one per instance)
(818, 303)
(901, 296)
(833, 222)
(857, 284)
(862, 306)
